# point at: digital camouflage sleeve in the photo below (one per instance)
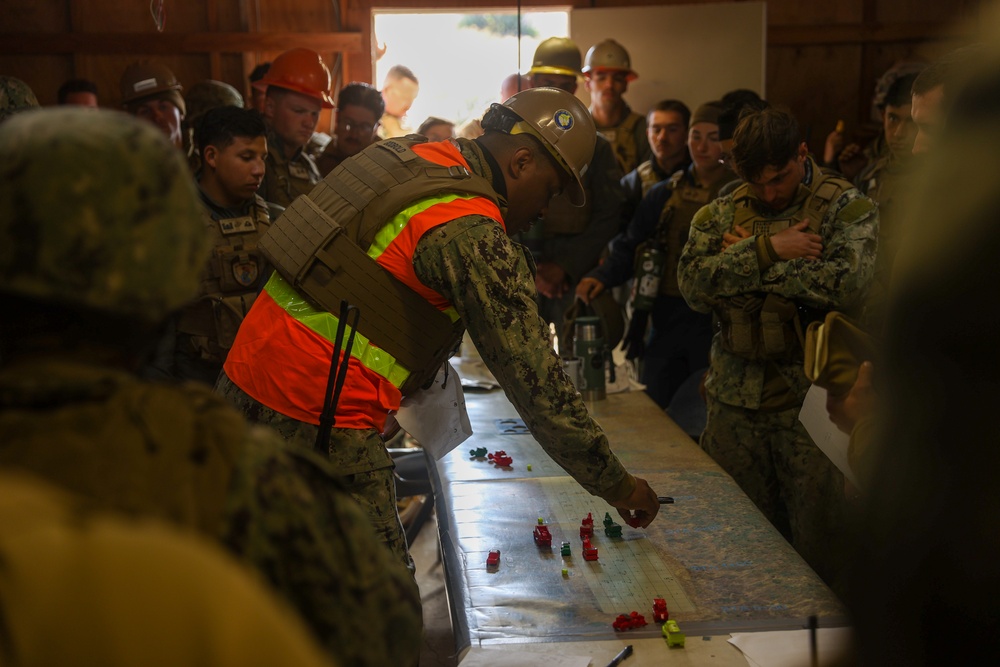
(473, 264)
(837, 281)
(708, 275)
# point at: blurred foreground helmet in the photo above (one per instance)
(301, 71)
(559, 120)
(556, 55)
(97, 209)
(206, 95)
(609, 55)
(15, 96)
(148, 80)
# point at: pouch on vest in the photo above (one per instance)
(740, 325)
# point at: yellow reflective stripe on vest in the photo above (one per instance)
(325, 325)
(392, 229)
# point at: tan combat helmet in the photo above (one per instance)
(556, 55)
(145, 80)
(210, 94)
(609, 55)
(557, 119)
(97, 210)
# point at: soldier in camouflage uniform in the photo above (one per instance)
(201, 98)
(101, 238)
(15, 97)
(234, 145)
(784, 248)
(298, 89)
(451, 253)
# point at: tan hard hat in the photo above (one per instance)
(563, 124)
(556, 55)
(301, 71)
(609, 55)
(145, 79)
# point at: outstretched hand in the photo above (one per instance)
(639, 509)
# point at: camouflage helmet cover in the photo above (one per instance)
(15, 96)
(210, 94)
(97, 209)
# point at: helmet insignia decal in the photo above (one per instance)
(563, 119)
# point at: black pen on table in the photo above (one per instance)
(666, 500)
(626, 652)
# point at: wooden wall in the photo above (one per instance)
(823, 57)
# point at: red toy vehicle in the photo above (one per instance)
(543, 537)
(587, 526)
(589, 550)
(660, 613)
(628, 622)
(500, 458)
(493, 559)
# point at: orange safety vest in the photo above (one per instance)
(282, 354)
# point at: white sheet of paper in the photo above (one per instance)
(436, 416)
(478, 657)
(827, 437)
(790, 648)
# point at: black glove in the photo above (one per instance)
(634, 343)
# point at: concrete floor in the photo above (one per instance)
(439, 641)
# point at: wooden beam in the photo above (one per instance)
(40, 43)
(858, 33)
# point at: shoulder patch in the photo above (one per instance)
(703, 217)
(857, 208)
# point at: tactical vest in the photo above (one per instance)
(622, 140)
(648, 176)
(323, 247)
(229, 283)
(771, 326)
(286, 180)
(674, 226)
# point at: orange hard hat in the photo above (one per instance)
(301, 71)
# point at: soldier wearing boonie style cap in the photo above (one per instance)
(101, 238)
(151, 91)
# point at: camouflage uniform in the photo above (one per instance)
(15, 96)
(176, 452)
(285, 179)
(488, 280)
(753, 429)
(473, 264)
(573, 237)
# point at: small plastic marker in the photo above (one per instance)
(540, 521)
(529, 467)
(565, 572)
